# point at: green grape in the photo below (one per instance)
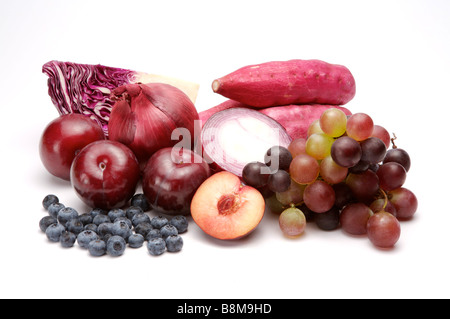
(333, 122)
(293, 196)
(319, 145)
(314, 128)
(292, 222)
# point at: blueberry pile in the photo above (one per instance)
(104, 232)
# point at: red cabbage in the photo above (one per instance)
(86, 88)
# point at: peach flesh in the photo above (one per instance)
(225, 209)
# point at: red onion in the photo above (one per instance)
(145, 116)
(234, 137)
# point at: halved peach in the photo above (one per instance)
(225, 209)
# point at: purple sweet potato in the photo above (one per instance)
(288, 82)
(294, 118)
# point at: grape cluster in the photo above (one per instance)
(344, 175)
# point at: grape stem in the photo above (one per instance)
(385, 198)
(392, 140)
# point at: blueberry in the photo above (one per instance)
(153, 233)
(159, 221)
(92, 227)
(124, 219)
(115, 246)
(141, 201)
(47, 221)
(48, 200)
(156, 246)
(86, 218)
(97, 248)
(67, 239)
(104, 229)
(133, 210)
(85, 237)
(100, 219)
(67, 213)
(106, 237)
(120, 228)
(97, 211)
(54, 232)
(168, 230)
(136, 240)
(143, 229)
(180, 222)
(174, 243)
(75, 226)
(116, 212)
(54, 208)
(140, 218)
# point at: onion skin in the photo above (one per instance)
(144, 117)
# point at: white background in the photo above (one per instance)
(398, 52)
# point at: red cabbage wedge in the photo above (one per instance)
(86, 88)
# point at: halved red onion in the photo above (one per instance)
(234, 137)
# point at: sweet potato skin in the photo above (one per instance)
(294, 118)
(228, 104)
(288, 82)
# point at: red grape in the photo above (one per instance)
(319, 196)
(278, 157)
(360, 126)
(304, 169)
(373, 150)
(328, 220)
(383, 229)
(364, 186)
(391, 175)
(400, 156)
(359, 168)
(405, 202)
(279, 181)
(343, 194)
(255, 174)
(346, 152)
(354, 218)
(297, 147)
(380, 132)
